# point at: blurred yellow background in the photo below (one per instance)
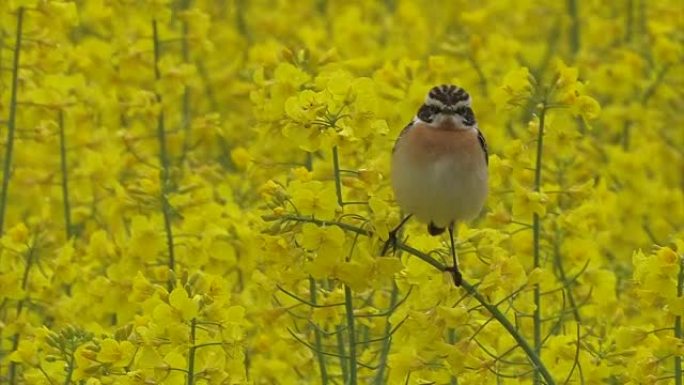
(196, 192)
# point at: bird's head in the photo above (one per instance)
(449, 106)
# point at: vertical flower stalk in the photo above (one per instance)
(71, 366)
(194, 346)
(679, 376)
(185, 52)
(341, 352)
(65, 178)
(384, 353)
(318, 337)
(11, 125)
(338, 180)
(536, 228)
(352, 335)
(451, 338)
(12, 120)
(191, 352)
(348, 298)
(629, 21)
(241, 20)
(574, 26)
(164, 182)
(30, 259)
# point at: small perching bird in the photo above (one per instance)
(439, 166)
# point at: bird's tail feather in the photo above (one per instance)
(434, 230)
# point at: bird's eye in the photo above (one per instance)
(427, 113)
(468, 115)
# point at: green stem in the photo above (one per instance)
(341, 353)
(164, 182)
(20, 307)
(12, 121)
(495, 312)
(384, 353)
(629, 22)
(480, 74)
(44, 373)
(679, 376)
(241, 20)
(338, 181)
(185, 49)
(65, 177)
(191, 352)
(317, 335)
(536, 228)
(70, 369)
(344, 226)
(208, 85)
(538, 72)
(318, 222)
(206, 344)
(451, 338)
(643, 28)
(564, 278)
(352, 336)
(522, 342)
(574, 27)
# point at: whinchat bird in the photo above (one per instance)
(439, 166)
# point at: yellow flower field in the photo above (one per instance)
(197, 192)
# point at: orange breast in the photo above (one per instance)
(428, 144)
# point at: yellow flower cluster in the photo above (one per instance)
(196, 192)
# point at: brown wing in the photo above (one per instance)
(483, 144)
(401, 134)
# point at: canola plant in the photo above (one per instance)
(197, 192)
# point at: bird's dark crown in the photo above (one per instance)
(447, 99)
(448, 95)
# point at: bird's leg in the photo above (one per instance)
(392, 238)
(455, 272)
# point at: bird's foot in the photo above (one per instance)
(391, 242)
(455, 274)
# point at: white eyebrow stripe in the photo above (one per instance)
(434, 102)
(463, 103)
(438, 103)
